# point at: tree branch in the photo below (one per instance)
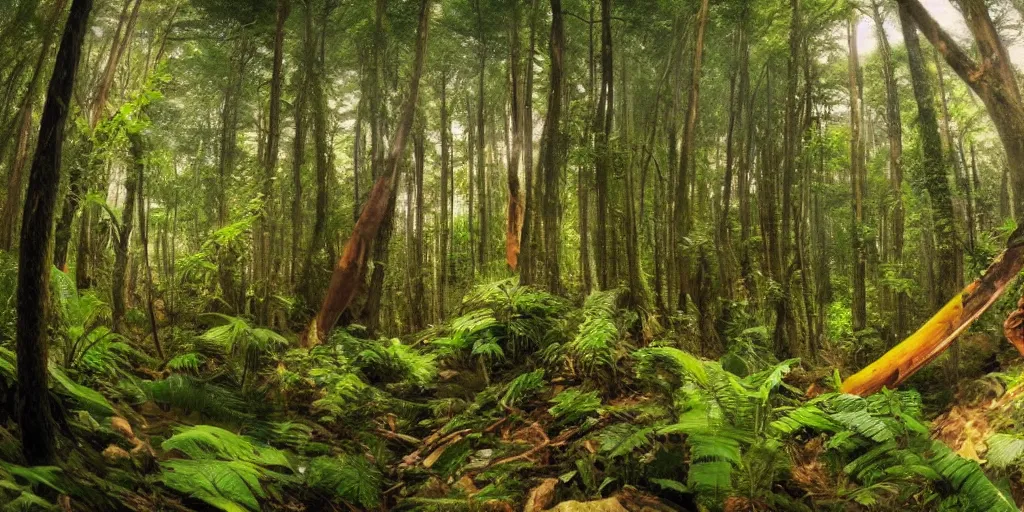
(955, 56)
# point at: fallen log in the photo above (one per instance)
(939, 332)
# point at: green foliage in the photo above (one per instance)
(21, 487)
(191, 394)
(248, 346)
(351, 478)
(231, 486)
(503, 322)
(572, 405)
(522, 387)
(209, 442)
(593, 347)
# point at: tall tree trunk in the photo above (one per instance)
(682, 208)
(529, 235)
(443, 245)
(350, 268)
(936, 180)
(264, 227)
(144, 241)
(313, 268)
(481, 166)
(514, 220)
(419, 302)
(298, 161)
(858, 176)
(603, 120)
(894, 127)
(551, 150)
(34, 417)
(123, 231)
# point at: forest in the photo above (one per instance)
(503, 255)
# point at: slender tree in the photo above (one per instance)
(35, 256)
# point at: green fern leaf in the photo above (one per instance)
(209, 442)
(1004, 450)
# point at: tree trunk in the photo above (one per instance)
(481, 166)
(936, 179)
(527, 242)
(123, 230)
(551, 150)
(350, 268)
(34, 418)
(419, 302)
(682, 208)
(994, 80)
(858, 175)
(144, 241)
(603, 120)
(443, 245)
(894, 127)
(264, 228)
(514, 220)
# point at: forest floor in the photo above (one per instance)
(522, 402)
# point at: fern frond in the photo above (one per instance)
(966, 478)
(571, 405)
(352, 478)
(522, 387)
(231, 486)
(1004, 450)
(210, 442)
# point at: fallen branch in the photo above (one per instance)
(939, 332)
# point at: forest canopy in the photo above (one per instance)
(495, 255)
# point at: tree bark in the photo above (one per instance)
(34, 417)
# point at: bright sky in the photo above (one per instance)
(943, 12)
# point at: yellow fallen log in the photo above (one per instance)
(939, 332)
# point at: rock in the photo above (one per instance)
(541, 496)
(605, 505)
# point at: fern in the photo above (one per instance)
(968, 480)
(351, 478)
(231, 486)
(190, 394)
(522, 387)
(572, 406)
(1004, 450)
(594, 345)
(209, 442)
(87, 398)
(622, 439)
(187, 362)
